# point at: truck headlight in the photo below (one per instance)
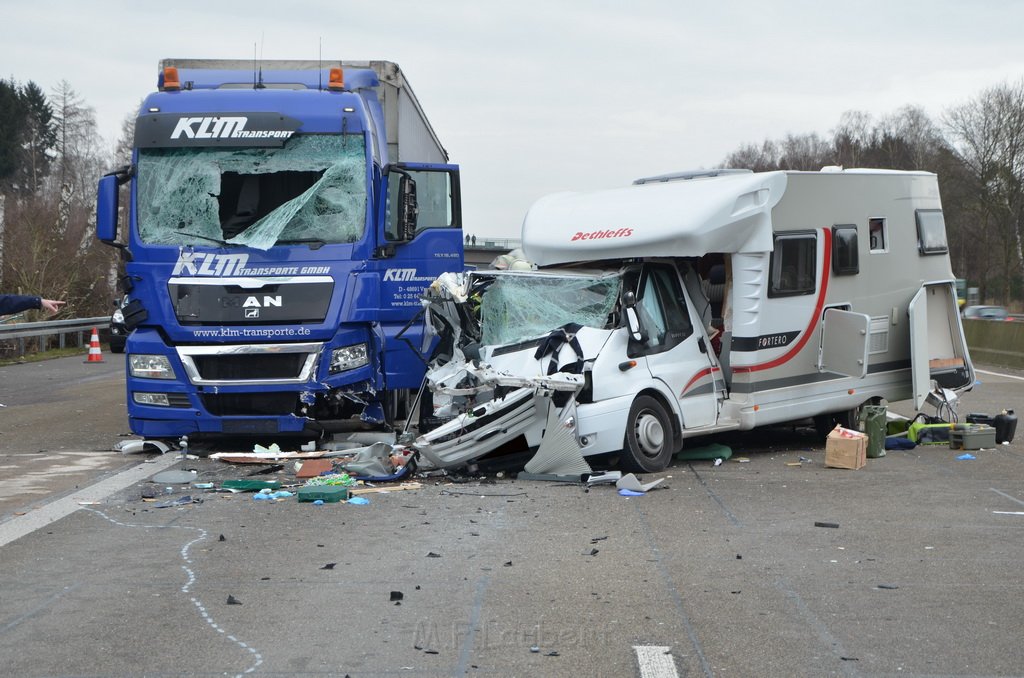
(117, 317)
(150, 366)
(349, 358)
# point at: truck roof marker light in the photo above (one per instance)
(336, 80)
(171, 81)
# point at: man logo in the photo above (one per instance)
(252, 313)
(268, 301)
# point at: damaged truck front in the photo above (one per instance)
(699, 303)
(284, 219)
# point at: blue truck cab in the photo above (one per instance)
(284, 218)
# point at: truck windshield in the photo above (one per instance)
(522, 306)
(312, 190)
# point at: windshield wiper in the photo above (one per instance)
(314, 243)
(222, 243)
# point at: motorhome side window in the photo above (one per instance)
(844, 250)
(931, 232)
(661, 310)
(792, 268)
(877, 237)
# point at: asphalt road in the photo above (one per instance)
(721, 573)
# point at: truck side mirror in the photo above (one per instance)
(106, 209)
(408, 211)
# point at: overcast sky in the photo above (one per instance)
(538, 96)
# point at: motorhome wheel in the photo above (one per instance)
(824, 423)
(649, 441)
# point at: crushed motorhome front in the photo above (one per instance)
(683, 306)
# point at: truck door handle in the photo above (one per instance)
(701, 345)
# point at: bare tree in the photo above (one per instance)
(761, 158)
(987, 134)
(851, 137)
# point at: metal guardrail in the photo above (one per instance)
(49, 328)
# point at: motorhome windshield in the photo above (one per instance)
(522, 306)
(312, 190)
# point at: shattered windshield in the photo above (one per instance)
(519, 307)
(312, 190)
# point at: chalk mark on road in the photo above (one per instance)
(191, 579)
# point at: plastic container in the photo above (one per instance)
(972, 437)
(325, 493)
(874, 424)
(1006, 426)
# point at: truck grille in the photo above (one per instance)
(250, 404)
(250, 364)
(220, 367)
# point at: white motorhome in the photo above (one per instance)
(696, 303)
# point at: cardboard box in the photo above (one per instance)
(846, 449)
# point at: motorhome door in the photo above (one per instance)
(938, 350)
(844, 343)
(674, 348)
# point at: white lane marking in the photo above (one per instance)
(999, 374)
(655, 661)
(1010, 513)
(19, 526)
(1007, 496)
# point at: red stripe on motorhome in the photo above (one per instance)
(697, 377)
(826, 267)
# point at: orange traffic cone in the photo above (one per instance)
(95, 354)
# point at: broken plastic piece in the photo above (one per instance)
(966, 455)
(179, 501)
(251, 485)
(606, 478)
(135, 446)
(559, 452)
(630, 493)
(359, 500)
(631, 482)
(175, 477)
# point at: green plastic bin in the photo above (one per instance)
(873, 419)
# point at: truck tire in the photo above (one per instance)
(649, 441)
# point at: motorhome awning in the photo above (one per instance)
(728, 213)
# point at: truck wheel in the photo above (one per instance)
(648, 446)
